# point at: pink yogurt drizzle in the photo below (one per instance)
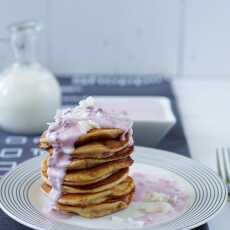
(66, 130)
(145, 185)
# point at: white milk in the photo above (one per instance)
(29, 94)
(29, 98)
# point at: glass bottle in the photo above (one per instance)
(29, 93)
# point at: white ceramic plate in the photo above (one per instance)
(205, 194)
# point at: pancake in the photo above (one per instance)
(90, 176)
(92, 135)
(116, 155)
(86, 170)
(96, 187)
(97, 150)
(77, 164)
(97, 210)
(120, 189)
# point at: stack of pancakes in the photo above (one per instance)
(96, 182)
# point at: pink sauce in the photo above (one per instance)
(68, 126)
(176, 197)
(56, 215)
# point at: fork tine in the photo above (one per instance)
(220, 166)
(227, 164)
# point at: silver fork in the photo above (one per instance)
(223, 165)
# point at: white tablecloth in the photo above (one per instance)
(205, 110)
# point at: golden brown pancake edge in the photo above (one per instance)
(98, 210)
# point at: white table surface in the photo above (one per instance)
(205, 110)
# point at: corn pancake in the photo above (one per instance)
(97, 150)
(105, 184)
(121, 189)
(90, 176)
(98, 210)
(77, 164)
(116, 155)
(92, 135)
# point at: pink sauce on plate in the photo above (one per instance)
(176, 198)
